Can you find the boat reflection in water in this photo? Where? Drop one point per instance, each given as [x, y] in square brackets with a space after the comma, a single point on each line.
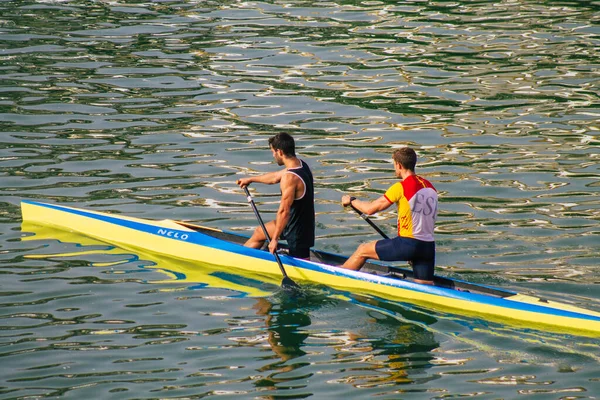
[389, 342]
[383, 351]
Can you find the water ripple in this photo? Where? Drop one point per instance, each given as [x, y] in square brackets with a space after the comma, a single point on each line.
[154, 110]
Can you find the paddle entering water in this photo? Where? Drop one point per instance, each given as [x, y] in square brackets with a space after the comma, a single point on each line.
[287, 282]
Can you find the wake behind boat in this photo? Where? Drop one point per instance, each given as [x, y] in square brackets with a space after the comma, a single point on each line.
[202, 244]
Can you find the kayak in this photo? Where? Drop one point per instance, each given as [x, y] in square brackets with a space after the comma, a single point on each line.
[199, 244]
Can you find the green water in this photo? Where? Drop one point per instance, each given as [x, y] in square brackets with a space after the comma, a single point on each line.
[154, 109]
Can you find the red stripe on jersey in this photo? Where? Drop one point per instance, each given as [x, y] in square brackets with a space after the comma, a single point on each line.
[412, 184]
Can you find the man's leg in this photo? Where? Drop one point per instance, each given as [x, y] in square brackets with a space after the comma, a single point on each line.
[258, 238]
[424, 264]
[301, 252]
[361, 255]
[423, 282]
[423, 271]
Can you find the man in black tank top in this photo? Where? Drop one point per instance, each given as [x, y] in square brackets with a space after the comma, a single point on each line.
[295, 221]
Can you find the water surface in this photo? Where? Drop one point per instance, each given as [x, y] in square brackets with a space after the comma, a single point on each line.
[154, 109]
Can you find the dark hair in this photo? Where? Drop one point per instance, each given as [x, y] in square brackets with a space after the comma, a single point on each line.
[406, 157]
[284, 142]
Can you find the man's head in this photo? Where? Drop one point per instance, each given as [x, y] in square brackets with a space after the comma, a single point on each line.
[406, 158]
[282, 145]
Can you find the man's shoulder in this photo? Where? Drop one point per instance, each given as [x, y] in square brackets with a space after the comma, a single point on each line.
[291, 178]
[289, 175]
[416, 181]
[427, 183]
[395, 186]
[395, 190]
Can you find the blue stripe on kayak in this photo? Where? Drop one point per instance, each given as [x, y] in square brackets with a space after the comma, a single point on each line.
[400, 270]
[175, 234]
[209, 241]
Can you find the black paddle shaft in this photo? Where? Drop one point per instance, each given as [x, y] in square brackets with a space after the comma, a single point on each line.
[366, 218]
[287, 281]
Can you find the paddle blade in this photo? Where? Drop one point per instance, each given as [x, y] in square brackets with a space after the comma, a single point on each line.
[289, 285]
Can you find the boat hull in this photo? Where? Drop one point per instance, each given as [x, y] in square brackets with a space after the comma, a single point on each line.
[201, 244]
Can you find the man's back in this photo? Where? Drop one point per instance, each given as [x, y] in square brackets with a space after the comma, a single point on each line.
[300, 229]
[417, 207]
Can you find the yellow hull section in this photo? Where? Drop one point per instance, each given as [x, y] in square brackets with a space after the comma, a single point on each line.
[335, 277]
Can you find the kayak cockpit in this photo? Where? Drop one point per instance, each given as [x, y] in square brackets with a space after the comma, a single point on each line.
[375, 268]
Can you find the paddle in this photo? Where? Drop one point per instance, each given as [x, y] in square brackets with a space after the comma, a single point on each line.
[287, 282]
[366, 218]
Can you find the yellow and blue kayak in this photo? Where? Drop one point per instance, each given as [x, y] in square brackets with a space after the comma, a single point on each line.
[195, 243]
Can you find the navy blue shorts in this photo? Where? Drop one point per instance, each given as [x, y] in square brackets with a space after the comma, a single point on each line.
[422, 254]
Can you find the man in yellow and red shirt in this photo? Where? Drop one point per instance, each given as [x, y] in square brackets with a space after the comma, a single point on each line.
[417, 202]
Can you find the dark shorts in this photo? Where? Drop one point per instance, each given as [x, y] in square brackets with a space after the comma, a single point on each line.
[296, 250]
[420, 253]
[299, 252]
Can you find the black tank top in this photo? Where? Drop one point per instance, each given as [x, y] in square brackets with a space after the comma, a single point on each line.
[300, 229]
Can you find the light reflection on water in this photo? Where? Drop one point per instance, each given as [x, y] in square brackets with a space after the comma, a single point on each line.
[155, 109]
[147, 342]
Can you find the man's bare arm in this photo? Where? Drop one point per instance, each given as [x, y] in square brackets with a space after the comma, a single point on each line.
[288, 194]
[269, 178]
[368, 207]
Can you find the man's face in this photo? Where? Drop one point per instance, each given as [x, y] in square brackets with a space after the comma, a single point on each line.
[277, 155]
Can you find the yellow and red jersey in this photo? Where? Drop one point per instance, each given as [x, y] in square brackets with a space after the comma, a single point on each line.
[417, 202]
